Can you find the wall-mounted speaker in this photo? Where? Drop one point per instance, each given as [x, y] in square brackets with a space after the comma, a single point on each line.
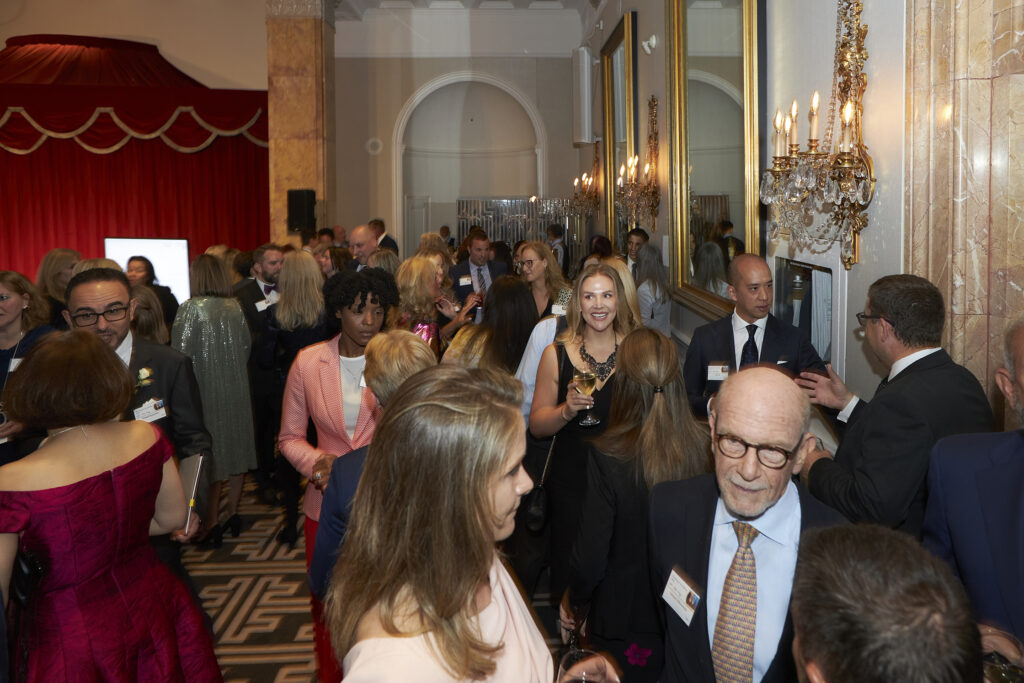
[582, 104]
[301, 210]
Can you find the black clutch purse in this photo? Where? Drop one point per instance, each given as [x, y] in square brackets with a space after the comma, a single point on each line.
[536, 503]
[28, 571]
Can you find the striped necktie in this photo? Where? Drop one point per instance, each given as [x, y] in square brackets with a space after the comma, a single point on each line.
[733, 649]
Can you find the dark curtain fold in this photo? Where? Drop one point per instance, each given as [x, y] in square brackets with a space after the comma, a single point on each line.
[64, 196]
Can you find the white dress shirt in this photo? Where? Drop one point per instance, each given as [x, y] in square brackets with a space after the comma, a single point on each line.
[775, 551]
[272, 296]
[124, 350]
[740, 335]
[542, 336]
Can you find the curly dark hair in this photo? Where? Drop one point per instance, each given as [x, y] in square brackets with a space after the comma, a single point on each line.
[346, 287]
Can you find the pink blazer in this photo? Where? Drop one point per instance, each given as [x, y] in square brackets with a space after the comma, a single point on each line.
[313, 391]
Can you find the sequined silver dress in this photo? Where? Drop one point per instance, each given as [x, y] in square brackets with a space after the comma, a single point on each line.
[212, 332]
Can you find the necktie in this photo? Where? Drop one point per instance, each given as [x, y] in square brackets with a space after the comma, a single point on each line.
[480, 279]
[634, 272]
[749, 354]
[733, 649]
[267, 289]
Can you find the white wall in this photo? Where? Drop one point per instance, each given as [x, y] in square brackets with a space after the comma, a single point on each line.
[221, 43]
[798, 67]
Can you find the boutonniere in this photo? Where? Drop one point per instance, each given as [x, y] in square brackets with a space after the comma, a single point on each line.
[144, 379]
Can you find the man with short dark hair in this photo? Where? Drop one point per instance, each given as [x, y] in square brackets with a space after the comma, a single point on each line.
[974, 519]
[166, 392]
[635, 238]
[555, 233]
[255, 295]
[879, 470]
[730, 245]
[869, 604]
[478, 273]
[723, 546]
[750, 334]
[384, 240]
[310, 240]
[326, 236]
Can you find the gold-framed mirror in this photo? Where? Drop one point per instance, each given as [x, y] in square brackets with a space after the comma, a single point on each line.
[713, 145]
[618, 72]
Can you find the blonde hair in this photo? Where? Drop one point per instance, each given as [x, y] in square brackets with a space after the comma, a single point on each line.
[627, 317]
[302, 300]
[148, 322]
[446, 265]
[433, 240]
[208, 276]
[391, 358]
[650, 420]
[90, 263]
[48, 275]
[38, 311]
[553, 278]
[628, 285]
[384, 259]
[414, 278]
[422, 532]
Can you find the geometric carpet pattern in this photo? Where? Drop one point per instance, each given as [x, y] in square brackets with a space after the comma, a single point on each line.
[255, 591]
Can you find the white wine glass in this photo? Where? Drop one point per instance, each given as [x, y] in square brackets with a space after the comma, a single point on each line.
[584, 666]
[586, 382]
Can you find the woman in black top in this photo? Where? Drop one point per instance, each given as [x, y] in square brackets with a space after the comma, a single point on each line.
[140, 272]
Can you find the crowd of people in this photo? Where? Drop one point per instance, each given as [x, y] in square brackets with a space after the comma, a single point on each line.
[457, 424]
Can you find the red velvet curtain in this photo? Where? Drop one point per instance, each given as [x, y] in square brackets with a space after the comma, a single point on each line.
[104, 138]
[63, 196]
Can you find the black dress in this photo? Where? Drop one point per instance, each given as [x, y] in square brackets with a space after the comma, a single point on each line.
[567, 473]
[167, 302]
[610, 581]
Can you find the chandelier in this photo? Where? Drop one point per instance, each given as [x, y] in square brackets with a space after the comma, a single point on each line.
[585, 195]
[838, 184]
[637, 199]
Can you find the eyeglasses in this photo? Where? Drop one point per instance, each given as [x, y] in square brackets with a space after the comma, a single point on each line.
[771, 457]
[111, 315]
[862, 316]
[527, 262]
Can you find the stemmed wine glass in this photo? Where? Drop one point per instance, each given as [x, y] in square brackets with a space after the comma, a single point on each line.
[586, 382]
[584, 666]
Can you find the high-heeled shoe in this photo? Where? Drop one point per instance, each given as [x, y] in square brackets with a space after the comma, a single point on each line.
[234, 525]
[213, 536]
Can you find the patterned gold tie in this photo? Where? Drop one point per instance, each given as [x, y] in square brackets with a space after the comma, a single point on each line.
[733, 649]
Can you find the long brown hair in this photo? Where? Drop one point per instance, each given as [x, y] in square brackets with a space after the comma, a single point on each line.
[38, 311]
[650, 419]
[422, 532]
[553, 278]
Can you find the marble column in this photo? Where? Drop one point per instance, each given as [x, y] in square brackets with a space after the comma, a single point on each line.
[965, 171]
[300, 71]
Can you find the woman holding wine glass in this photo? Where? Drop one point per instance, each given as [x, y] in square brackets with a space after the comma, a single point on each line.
[573, 396]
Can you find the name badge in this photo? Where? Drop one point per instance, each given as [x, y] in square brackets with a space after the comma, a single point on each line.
[781, 362]
[13, 365]
[681, 595]
[718, 371]
[262, 305]
[151, 411]
[557, 310]
[465, 281]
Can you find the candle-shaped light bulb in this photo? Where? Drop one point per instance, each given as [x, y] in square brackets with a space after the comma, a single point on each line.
[788, 126]
[814, 116]
[846, 142]
[622, 170]
[792, 131]
[647, 169]
[576, 182]
[779, 151]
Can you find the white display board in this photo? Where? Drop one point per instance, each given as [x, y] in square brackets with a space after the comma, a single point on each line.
[169, 257]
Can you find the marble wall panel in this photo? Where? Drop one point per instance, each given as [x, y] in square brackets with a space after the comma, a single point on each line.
[1008, 41]
[978, 43]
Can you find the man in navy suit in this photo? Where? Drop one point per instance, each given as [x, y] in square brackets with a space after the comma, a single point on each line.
[751, 334]
[384, 240]
[879, 470]
[476, 274]
[759, 434]
[974, 519]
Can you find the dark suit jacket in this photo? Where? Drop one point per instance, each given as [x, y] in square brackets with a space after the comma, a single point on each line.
[975, 521]
[783, 344]
[248, 293]
[879, 470]
[460, 270]
[334, 515]
[171, 379]
[682, 516]
[608, 567]
[388, 243]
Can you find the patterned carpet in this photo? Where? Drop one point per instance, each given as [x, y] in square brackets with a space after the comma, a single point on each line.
[254, 589]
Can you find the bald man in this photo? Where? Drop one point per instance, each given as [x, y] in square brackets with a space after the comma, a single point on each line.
[750, 334]
[361, 242]
[700, 529]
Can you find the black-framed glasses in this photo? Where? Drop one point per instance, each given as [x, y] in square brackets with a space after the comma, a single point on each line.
[111, 315]
[527, 262]
[772, 457]
[862, 316]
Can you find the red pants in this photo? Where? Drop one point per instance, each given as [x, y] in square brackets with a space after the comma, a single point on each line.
[327, 663]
